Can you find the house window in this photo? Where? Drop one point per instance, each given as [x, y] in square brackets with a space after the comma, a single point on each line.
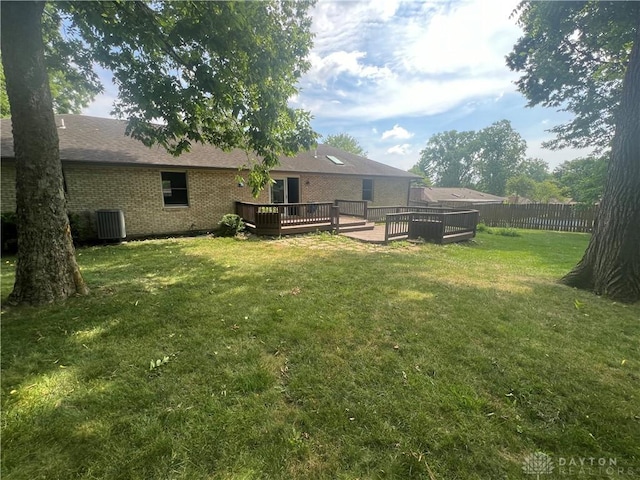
[367, 189]
[174, 189]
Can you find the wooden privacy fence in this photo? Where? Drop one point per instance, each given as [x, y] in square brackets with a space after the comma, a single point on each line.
[539, 216]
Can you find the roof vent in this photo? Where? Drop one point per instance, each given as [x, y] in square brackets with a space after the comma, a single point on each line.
[335, 160]
[62, 127]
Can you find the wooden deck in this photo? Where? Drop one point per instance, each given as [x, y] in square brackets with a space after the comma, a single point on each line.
[346, 224]
[355, 220]
[374, 235]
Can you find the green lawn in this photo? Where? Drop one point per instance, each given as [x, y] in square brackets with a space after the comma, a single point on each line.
[319, 357]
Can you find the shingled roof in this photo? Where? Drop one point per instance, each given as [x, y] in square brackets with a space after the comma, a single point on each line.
[446, 194]
[97, 140]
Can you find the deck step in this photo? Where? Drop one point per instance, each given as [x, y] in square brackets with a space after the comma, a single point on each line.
[356, 227]
[357, 223]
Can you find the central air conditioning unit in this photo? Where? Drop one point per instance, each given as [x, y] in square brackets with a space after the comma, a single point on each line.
[110, 225]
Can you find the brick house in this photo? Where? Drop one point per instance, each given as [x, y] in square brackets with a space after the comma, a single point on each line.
[162, 194]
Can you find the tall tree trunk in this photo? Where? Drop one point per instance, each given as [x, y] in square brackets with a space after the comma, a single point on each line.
[611, 264]
[46, 266]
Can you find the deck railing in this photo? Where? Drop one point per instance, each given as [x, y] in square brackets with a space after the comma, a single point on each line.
[273, 219]
[378, 214]
[438, 224]
[460, 222]
[353, 208]
[396, 225]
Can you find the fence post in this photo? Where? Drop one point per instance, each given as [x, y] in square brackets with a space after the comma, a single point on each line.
[364, 210]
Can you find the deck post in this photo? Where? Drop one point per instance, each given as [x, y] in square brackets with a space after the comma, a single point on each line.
[386, 229]
[335, 218]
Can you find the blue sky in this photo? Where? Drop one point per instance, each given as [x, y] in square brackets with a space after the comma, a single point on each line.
[392, 73]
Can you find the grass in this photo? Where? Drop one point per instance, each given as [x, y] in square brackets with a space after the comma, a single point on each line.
[319, 357]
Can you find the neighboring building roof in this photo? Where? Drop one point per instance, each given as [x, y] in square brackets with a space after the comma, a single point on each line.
[102, 141]
[466, 195]
[519, 200]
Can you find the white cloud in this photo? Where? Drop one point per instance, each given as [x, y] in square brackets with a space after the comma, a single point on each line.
[402, 58]
[468, 36]
[394, 97]
[333, 65]
[396, 132]
[403, 149]
[340, 23]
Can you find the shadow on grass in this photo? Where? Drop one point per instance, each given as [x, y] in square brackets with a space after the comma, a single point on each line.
[293, 365]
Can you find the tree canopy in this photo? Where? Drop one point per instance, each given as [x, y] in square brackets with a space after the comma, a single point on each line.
[448, 159]
[544, 191]
[345, 142]
[582, 179]
[522, 186]
[536, 169]
[213, 72]
[5, 110]
[483, 159]
[573, 56]
[72, 80]
[501, 155]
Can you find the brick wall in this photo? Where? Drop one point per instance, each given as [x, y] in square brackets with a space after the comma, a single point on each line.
[327, 188]
[7, 187]
[212, 193]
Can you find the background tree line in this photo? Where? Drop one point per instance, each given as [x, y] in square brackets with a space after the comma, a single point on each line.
[493, 160]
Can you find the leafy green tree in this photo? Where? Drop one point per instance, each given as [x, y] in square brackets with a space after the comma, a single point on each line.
[425, 181]
[345, 142]
[521, 185]
[213, 72]
[547, 191]
[72, 81]
[500, 156]
[485, 159]
[448, 159]
[574, 56]
[536, 169]
[594, 38]
[5, 110]
[583, 179]
[524, 186]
